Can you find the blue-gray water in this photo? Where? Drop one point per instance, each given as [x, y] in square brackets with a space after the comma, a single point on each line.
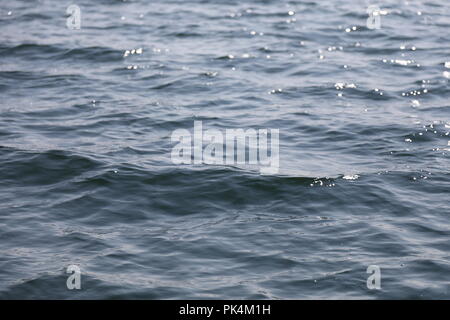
[86, 176]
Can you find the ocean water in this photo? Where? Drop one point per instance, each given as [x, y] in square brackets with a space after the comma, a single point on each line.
[87, 178]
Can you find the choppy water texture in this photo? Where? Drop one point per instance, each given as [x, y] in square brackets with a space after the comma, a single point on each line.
[86, 176]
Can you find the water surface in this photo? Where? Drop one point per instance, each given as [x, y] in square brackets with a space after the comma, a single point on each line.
[86, 176]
